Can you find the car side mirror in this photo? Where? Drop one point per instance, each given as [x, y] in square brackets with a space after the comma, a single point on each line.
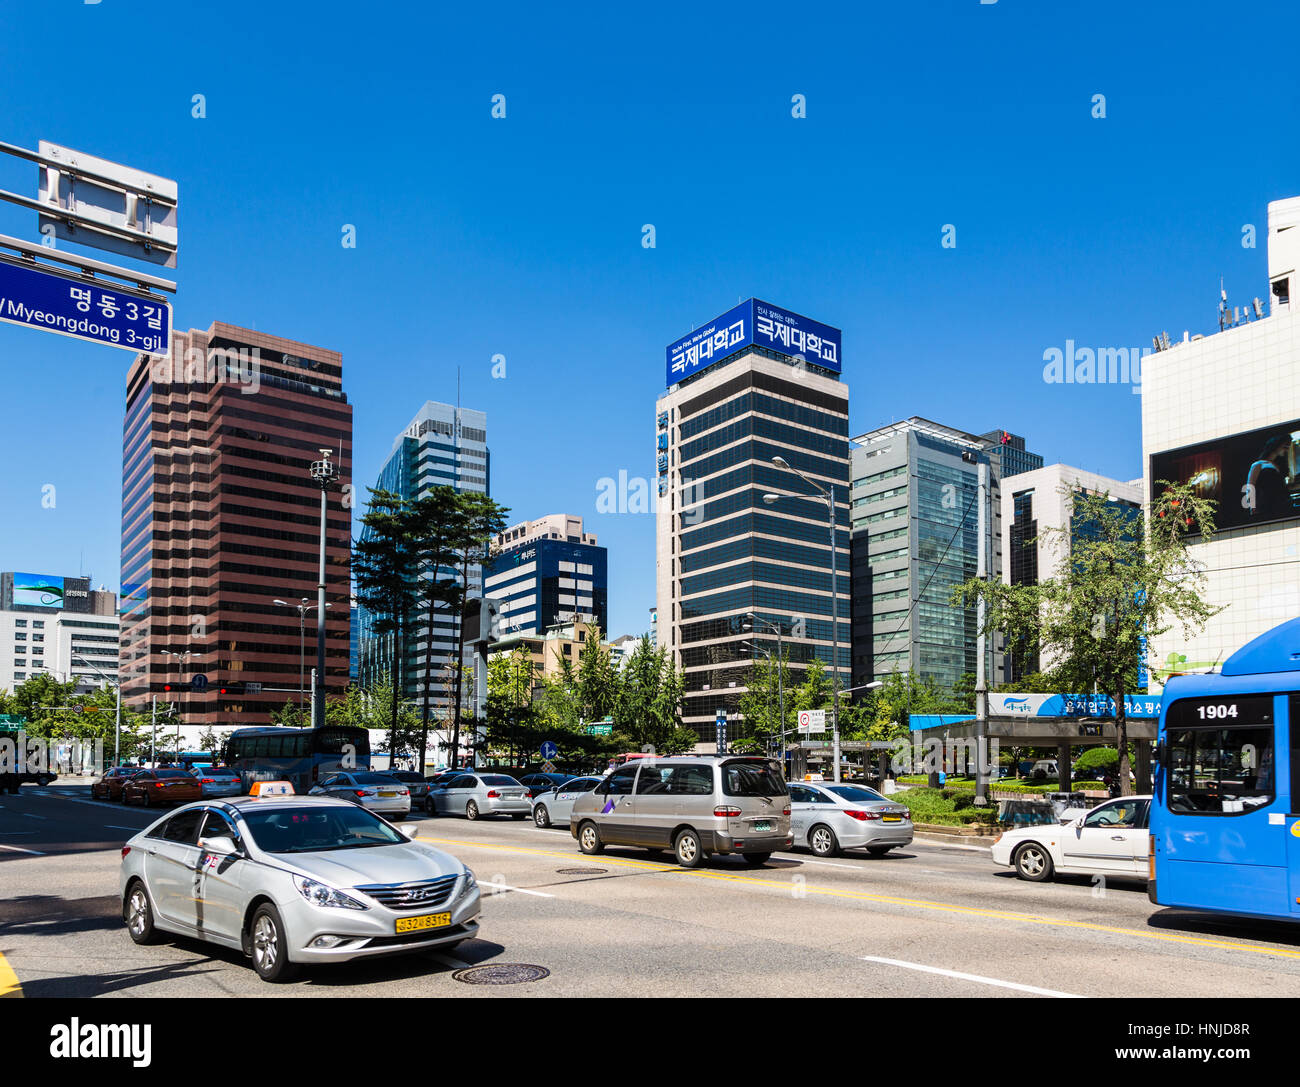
[222, 846]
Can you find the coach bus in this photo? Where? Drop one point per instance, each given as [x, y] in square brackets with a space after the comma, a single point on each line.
[298, 755]
[1225, 825]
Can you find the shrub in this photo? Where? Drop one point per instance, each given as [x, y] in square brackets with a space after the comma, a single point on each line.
[1096, 759]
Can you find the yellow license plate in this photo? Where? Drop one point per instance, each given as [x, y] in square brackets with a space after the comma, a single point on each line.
[429, 920]
[891, 818]
[387, 795]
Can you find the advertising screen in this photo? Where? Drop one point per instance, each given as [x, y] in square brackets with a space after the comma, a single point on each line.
[1253, 477]
[38, 591]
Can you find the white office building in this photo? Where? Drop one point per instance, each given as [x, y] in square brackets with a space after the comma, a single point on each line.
[1223, 411]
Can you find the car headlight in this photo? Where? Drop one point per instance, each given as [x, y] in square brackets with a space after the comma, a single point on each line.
[318, 894]
[469, 884]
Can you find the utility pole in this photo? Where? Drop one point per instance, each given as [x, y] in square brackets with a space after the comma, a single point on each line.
[324, 473]
[153, 733]
[981, 676]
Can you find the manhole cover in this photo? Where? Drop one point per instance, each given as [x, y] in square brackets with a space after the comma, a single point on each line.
[580, 871]
[505, 973]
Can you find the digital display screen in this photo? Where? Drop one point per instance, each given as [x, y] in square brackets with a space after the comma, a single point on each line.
[1247, 709]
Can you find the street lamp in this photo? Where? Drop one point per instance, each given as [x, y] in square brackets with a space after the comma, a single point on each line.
[827, 496]
[324, 473]
[303, 609]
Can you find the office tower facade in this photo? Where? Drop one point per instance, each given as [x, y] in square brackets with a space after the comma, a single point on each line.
[1222, 411]
[757, 383]
[915, 523]
[220, 518]
[1037, 519]
[548, 571]
[444, 445]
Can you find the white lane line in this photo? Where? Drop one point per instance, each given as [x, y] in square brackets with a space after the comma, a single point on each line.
[952, 845]
[970, 977]
[831, 864]
[521, 890]
[16, 849]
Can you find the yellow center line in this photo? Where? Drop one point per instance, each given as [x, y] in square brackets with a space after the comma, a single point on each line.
[8, 980]
[891, 900]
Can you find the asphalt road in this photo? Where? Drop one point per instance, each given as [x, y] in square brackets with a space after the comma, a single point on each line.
[935, 919]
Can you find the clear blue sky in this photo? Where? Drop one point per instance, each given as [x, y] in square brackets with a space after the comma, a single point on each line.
[522, 236]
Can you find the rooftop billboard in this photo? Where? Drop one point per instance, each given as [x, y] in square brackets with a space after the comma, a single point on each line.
[754, 324]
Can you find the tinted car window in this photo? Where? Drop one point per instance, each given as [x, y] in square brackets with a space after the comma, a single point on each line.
[579, 785]
[800, 795]
[752, 779]
[619, 783]
[218, 826]
[857, 793]
[465, 781]
[498, 779]
[375, 779]
[182, 827]
[172, 773]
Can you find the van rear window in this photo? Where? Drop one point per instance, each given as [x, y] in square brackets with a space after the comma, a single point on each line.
[752, 779]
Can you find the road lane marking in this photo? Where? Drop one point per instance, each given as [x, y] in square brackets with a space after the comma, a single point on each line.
[831, 864]
[507, 887]
[951, 845]
[17, 849]
[8, 979]
[971, 977]
[890, 900]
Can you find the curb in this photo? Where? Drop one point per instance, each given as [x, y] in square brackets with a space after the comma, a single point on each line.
[974, 836]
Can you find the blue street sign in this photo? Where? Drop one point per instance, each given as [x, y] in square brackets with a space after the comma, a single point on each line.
[549, 750]
[199, 682]
[42, 298]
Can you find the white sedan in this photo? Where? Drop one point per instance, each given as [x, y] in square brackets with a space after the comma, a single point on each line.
[1110, 840]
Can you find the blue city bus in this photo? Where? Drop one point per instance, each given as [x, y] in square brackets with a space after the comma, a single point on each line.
[301, 756]
[1225, 818]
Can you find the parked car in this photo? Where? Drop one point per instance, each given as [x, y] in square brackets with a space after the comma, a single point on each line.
[536, 784]
[477, 794]
[829, 818]
[555, 805]
[381, 793]
[168, 785]
[109, 787]
[695, 806]
[219, 781]
[1110, 840]
[292, 879]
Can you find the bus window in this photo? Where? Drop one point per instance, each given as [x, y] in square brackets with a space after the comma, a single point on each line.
[1220, 770]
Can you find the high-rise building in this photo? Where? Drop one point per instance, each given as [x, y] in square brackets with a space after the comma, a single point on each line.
[220, 518]
[1222, 411]
[915, 536]
[548, 571]
[756, 384]
[56, 625]
[443, 446]
[1037, 520]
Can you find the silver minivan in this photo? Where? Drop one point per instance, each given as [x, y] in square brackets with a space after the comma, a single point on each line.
[694, 805]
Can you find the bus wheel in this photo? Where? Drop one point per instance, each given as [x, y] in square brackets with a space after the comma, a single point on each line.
[1033, 862]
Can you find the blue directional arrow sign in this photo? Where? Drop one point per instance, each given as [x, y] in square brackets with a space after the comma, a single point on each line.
[549, 750]
[38, 297]
[198, 682]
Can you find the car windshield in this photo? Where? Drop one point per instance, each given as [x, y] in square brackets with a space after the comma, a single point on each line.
[498, 779]
[751, 779]
[313, 830]
[857, 793]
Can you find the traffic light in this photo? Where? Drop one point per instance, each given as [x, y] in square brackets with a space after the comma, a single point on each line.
[235, 688]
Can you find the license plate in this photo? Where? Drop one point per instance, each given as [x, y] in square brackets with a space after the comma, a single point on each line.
[428, 920]
[891, 818]
[387, 795]
[762, 824]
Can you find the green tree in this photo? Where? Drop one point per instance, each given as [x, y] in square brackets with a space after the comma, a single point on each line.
[1118, 586]
[649, 701]
[760, 706]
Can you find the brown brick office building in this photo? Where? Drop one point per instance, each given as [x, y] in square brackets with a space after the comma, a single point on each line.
[220, 518]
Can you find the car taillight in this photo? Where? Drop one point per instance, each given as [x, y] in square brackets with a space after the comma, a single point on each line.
[786, 811]
[359, 792]
[861, 816]
[157, 784]
[726, 812]
[403, 792]
[493, 794]
[125, 850]
[207, 781]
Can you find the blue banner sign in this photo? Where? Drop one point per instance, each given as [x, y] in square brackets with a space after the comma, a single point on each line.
[38, 298]
[757, 324]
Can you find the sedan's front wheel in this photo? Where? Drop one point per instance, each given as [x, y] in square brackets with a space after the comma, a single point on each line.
[269, 947]
[1033, 862]
[541, 816]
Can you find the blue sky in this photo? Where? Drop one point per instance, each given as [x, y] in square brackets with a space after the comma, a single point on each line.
[522, 237]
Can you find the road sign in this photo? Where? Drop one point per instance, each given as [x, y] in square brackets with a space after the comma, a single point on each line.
[549, 751]
[600, 730]
[198, 682]
[548, 767]
[721, 723]
[812, 721]
[50, 300]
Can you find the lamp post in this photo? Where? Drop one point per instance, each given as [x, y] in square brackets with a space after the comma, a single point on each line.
[303, 609]
[827, 496]
[117, 728]
[324, 473]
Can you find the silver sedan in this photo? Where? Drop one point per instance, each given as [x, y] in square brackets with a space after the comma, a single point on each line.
[218, 781]
[830, 818]
[481, 793]
[377, 792]
[293, 879]
[555, 805]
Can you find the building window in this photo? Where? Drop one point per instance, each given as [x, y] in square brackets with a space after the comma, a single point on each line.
[20, 622]
[39, 624]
